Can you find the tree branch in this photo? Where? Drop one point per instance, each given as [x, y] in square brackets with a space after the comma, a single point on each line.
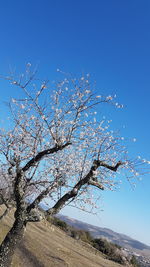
[95, 183]
[86, 180]
[112, 168]
[40, 197]
[43, 153]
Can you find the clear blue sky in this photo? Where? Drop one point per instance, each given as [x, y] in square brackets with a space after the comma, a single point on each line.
[110, 40]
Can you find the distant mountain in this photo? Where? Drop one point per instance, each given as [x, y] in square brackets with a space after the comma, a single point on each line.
[120, 239]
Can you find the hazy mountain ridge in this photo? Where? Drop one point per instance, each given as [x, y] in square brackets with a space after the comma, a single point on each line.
[120, 239]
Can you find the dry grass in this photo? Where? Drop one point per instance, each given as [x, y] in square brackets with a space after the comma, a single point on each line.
[45, 245]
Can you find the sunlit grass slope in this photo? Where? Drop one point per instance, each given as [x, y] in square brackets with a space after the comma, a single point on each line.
[45, 245]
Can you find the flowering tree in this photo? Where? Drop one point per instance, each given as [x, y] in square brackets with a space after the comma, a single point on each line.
[57, 148]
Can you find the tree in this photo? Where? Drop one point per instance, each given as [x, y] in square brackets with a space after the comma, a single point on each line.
[55, 148]
[134, 261]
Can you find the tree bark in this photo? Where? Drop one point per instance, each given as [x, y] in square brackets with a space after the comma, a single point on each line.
[10, 242]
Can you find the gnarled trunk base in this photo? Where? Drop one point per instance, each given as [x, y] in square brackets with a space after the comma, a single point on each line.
[10, 242]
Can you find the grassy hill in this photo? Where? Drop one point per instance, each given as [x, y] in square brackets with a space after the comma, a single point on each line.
[117, 238]
[45, 245]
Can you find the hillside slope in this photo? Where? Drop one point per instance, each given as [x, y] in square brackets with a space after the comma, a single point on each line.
[45, 245]
[120, 239]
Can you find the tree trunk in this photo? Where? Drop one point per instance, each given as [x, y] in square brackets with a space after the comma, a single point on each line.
[10, 242]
